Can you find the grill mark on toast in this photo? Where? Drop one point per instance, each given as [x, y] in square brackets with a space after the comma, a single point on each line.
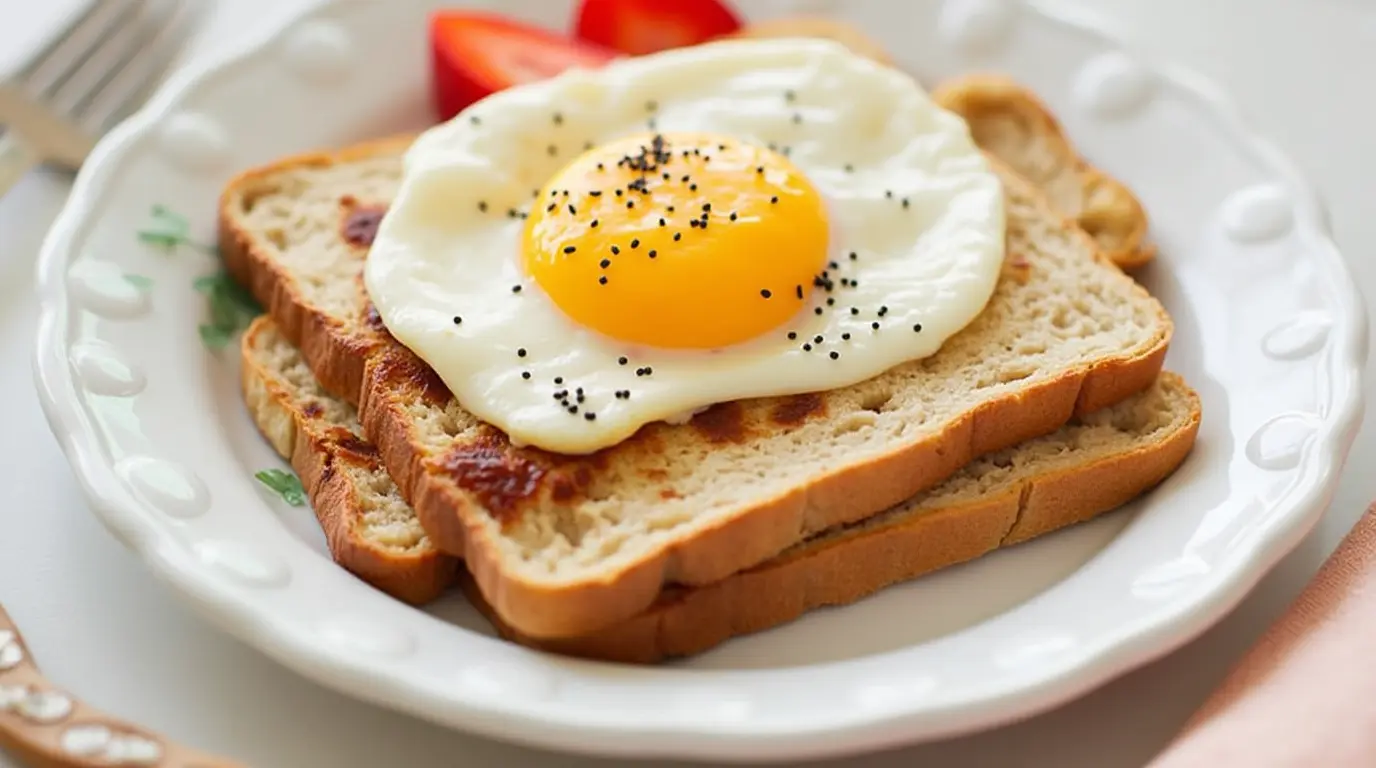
[797, 409]
[350, 447]
[722, 423]
[359, 224]
[399, 368]
[502, 479]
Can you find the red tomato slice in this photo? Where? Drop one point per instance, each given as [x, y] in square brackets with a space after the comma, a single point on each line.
[477, 54]
[638, 27]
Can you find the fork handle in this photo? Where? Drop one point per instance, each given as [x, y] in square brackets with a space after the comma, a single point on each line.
[17, 158]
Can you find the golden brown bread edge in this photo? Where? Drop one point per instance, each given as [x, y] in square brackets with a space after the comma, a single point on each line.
[1010, 122]
[833, 569]
[316, 450]
[847, 565]
[370, 369]
[839, 570]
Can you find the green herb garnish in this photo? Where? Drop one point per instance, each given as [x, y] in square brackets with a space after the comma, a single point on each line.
[141, 282]
[231, 309]
[169, 230]
[284, 484]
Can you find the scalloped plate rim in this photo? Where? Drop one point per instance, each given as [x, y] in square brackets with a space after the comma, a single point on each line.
[1097, 663]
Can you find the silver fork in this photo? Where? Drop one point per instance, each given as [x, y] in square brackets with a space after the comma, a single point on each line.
[101, 66]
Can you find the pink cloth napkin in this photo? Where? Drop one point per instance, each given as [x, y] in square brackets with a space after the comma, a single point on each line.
[1306, 694]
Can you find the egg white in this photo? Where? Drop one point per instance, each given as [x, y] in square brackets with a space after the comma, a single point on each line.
[865, 130]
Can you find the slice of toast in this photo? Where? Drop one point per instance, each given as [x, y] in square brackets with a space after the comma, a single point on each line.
[370, 531]
[1094, 464]
[1011, 123]
[567, 545]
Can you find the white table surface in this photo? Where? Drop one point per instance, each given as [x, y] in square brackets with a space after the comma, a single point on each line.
[99, 623]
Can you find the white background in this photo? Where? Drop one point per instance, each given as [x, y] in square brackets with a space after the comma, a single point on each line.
[100, 624]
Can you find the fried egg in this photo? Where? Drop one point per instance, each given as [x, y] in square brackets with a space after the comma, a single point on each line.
[580, 257]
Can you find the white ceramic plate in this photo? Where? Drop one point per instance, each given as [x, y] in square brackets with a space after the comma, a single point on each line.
[1269, 329]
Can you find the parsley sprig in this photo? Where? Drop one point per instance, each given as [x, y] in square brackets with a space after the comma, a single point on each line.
[284, 484]
[231, 309]
[169, 230]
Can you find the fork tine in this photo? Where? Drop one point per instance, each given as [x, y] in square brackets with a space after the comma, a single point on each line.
[121, 43]
[74, 46]
[131, 85]
[58, 41]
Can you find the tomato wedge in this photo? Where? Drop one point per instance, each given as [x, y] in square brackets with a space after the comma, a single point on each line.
[638, 27]
[477, 54]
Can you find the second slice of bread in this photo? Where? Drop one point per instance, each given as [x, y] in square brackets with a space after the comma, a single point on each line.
[1011, 123]
[1089, 466]
[564, 546]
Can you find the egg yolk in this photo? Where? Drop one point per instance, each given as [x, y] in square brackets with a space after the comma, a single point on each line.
[678, 240]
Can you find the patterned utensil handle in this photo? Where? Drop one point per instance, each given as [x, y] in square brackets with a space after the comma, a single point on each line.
[44, 726]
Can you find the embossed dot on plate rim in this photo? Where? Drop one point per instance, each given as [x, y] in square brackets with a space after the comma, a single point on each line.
[977, 26]
[1033, 648]
[192, 499]
[100, 287]
[245, 564]
[1113, 84]
[319, 51]
[713, 702]
[1258, 213]
[367, 636]
[896, 693]
[499, 679]
[1165, 578]
[194, 142]
[1299, 337]
[1288, 457]
[102, 370]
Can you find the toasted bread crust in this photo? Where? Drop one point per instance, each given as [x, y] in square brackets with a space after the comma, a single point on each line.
[839, 570]
[752, 537]
[1010, 122]
[835, 568]
[417, 575]
[364, 366]
[336, 352]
